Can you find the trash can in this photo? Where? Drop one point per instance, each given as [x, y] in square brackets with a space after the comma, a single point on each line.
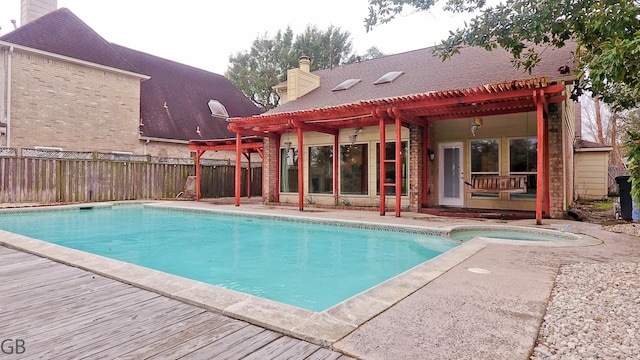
[626, 205]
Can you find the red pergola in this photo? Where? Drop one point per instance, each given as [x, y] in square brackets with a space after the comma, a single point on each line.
[247, 145]
[518, 96]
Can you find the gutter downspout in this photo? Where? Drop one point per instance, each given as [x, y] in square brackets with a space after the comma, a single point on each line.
[8, 116]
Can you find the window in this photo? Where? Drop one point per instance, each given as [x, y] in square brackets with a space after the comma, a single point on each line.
[217, 109]
[321, 170]
[354, 169]
[345, 85]
[523, 155]
[289, 170]
[485, 160]
[390, 168]
[388, 77]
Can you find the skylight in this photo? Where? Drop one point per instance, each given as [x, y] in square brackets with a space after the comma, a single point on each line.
[388, 77]
[217, 109]
[346, 85]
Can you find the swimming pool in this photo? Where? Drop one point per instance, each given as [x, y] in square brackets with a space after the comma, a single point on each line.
[312, 266]
[322, 328]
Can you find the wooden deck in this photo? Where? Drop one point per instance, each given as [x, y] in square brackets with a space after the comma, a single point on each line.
[57, 311]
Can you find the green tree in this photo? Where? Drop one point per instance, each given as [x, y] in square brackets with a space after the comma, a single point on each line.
[633, 167]
[629, 121]
[607, 33]
[326, 49]
[256, 71]
[371, 53]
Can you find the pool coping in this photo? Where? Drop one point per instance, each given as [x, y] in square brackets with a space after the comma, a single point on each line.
[322, 328]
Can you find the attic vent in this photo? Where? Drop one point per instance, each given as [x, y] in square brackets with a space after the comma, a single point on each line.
[346, 85]
[388, 77]
[217, 109]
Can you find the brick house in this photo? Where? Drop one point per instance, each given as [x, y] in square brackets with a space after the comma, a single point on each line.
[461, 123]
[63, 86]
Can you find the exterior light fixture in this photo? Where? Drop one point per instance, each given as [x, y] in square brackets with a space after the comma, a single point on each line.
[352, 137]
[477, 124]
[287, 142]
[431, 154]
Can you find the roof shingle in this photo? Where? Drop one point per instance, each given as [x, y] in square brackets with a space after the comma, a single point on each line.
[423, 73]
[186, 92]
[62, 32]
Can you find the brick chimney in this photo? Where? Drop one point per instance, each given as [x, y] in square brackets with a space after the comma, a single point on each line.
[33, 9]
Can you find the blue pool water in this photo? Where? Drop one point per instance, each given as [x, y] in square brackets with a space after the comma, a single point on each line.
[507, 234]
[312, 266]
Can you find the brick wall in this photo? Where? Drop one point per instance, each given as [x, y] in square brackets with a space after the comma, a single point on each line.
[557, 170]
[432, 170]
[416, 154]
[270, 172]
[76, 107]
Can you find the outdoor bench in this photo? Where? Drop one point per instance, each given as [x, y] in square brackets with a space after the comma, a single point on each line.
[497, 184]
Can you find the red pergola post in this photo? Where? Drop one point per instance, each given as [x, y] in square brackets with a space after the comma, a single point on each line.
[383, 155]
[335, 168]
[398, 165]
[300, 171]
[541, 155]
[238, 167]
[277, 172]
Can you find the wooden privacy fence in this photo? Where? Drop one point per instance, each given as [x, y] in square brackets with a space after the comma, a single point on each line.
[614, 172]
[57, 176]
[219, 181]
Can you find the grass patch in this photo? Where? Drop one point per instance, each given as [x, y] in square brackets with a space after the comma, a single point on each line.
[602, 205]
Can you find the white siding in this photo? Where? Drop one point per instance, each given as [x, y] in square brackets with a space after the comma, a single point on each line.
[591, 181]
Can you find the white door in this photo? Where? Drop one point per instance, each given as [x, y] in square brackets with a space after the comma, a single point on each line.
[450, 175]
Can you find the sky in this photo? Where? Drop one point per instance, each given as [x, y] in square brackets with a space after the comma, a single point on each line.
[204, 33]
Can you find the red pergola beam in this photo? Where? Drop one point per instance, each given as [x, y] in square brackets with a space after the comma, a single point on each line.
[406, 117]
[313, 127]
[454, 115]
[240, 130]
[347, 124]
[250, 146]
[427, 101]
[431, 106]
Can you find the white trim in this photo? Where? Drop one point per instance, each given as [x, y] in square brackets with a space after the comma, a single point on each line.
[74, 60]
[599, 149]
[47, 148]
[155, 139]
